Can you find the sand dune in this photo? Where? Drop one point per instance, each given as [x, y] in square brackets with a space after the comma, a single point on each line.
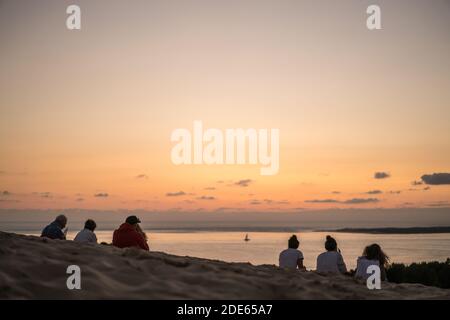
[35, 268]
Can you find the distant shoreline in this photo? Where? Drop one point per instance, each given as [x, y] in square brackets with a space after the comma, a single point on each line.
[410, 230]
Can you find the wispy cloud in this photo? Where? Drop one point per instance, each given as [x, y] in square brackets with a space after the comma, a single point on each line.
[210, 188]
[221, 209]
[141, 176]
[6, 193]
[101, 195]
[374, 192]
[436, 178]
[243, 183]
[206, 198]
[381, 175]
[270, 201]
[439, 204]
[322, 201]
[175, 194]
[349, 201]
[360, 200]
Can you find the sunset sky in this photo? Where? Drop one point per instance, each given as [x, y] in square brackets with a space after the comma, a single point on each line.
[86, 115]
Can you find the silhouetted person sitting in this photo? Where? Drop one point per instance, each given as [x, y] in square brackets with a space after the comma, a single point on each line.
[87, 235]
[292, 258]
[372, 255]
[55, 229]
[331, 261]
[130, 234]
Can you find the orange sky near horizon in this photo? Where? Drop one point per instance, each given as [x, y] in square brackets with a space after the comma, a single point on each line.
[84, 113]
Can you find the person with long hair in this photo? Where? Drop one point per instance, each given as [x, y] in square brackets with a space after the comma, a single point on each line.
[372, 255]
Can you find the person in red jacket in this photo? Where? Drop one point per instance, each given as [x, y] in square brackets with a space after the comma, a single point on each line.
[130, 234]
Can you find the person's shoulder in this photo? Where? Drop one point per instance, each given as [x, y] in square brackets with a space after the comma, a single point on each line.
[335, 253]
[362, 259]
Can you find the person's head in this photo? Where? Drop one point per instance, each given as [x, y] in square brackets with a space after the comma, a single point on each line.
[330, 244]
[90, 225]
[293, 242]
[374, 252]
[133, 220]
[61, 220]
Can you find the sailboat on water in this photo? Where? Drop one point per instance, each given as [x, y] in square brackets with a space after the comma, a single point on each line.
[246, 238]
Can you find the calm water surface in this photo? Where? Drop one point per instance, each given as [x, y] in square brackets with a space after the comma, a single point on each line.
[264, 247]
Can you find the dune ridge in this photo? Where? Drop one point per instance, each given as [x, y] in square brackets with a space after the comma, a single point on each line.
[35, 268]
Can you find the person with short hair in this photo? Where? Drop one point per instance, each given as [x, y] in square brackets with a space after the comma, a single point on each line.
[87, 235]
[55, 229]
[292, 258]
[331, 261]
[130, 234]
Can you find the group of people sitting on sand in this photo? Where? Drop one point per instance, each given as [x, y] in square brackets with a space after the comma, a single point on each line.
[130, 234]
[332, 261]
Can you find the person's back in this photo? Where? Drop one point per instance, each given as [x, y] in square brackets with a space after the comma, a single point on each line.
[361, 267]
[54, 229]
[87, 235]
[127, 235]
[372, 255]
[331, 261]
[291, 258]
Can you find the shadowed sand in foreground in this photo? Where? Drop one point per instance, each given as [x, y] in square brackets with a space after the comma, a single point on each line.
[35, 268]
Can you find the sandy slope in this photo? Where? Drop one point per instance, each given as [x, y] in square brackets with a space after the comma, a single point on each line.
[32, 267]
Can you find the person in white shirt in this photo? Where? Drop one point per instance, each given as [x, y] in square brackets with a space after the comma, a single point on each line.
[331, 261]
[292, 258]
[87, 235]
[372, 255]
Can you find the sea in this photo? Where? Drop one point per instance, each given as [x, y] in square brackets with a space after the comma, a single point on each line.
[265, 247]
[222, 236]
